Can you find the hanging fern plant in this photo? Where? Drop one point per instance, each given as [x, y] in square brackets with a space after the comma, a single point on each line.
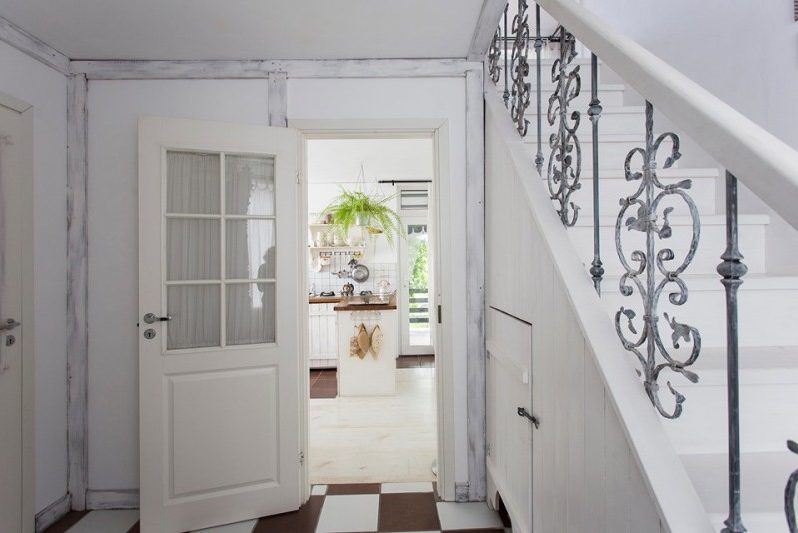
[356, 208]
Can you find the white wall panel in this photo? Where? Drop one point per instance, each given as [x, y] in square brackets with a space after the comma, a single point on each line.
[114, 108]
[28, 80]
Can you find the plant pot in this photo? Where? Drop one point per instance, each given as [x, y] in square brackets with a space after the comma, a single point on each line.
[362, 220]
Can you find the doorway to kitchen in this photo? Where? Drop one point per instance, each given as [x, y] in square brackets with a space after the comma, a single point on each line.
[374, 396]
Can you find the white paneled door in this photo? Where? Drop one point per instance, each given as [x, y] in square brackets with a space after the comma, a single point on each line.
[11, 362]
[219, 329]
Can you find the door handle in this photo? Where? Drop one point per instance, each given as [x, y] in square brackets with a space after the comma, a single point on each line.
[151, 318]
[9, 324]
[532, 418]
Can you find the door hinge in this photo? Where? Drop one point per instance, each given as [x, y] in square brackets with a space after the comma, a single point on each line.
[440, 314]
[299, 177]
[301, 458]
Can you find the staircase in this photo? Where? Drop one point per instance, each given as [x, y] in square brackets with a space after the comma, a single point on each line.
[768, 303]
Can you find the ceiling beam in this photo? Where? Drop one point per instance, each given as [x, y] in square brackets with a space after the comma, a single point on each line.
[260, 69]
[23, 41]
[487, 23]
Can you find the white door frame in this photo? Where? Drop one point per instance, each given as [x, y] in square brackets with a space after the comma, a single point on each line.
[26, 331]
[438, 131]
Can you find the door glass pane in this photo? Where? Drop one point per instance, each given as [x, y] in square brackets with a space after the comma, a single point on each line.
[250, 313]
[250, 249]
[249, 185]
[418, 275]
[192, 183]
[195, 316]
[192, 249]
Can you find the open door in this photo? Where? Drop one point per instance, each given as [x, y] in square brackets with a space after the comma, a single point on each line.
[219, 329]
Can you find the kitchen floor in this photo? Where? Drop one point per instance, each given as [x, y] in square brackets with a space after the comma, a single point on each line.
[375, 439]
[371, 507]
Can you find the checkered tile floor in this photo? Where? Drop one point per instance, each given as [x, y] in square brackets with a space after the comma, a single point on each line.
[364, 507]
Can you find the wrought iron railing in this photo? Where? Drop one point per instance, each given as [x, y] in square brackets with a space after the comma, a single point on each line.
[652, 270]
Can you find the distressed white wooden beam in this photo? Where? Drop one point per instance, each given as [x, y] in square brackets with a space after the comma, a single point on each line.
[77, 290]
[475, 284]
[278, 99]
[486, 28]
[251, 69]
[23, 41]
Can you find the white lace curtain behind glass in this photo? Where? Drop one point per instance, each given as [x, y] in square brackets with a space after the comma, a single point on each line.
[194, 249]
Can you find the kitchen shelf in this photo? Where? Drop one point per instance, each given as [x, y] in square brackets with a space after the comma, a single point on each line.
[351, 249]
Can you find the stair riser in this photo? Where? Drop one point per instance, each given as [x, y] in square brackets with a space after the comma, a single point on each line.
[607, 97]
[612, 190]
[611, 154]
[767, 412]
[610, 123]
[711, 246]
[766, 317]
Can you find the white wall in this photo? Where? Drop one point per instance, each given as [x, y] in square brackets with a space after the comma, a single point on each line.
[44, 88]
[743, 52]
[113, 299]
[409, 98]
[114, 108]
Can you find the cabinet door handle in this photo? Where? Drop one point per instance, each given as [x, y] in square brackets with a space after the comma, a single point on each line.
[532, 418]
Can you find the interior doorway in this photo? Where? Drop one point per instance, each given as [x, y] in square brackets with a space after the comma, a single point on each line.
[16, 316]
[366, 427]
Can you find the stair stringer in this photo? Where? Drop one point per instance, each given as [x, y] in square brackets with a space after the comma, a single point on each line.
[601, 460]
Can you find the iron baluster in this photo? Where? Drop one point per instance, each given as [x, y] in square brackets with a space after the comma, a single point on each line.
[732, 269]
[506, 94]
[640, 212]
[520, 69]
[594, 112]
[494, 70]
[565, 159]
[789, 493]
[538, 47]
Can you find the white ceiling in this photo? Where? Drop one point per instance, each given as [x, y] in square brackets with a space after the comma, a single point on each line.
[249, 29]
[339, 160]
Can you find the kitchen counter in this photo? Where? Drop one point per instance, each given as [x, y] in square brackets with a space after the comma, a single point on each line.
[324, 299]
[346, 304]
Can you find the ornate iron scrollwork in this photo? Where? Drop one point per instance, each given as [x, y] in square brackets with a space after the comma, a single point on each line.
[640, 212]
[789, 493]
[494, 54]
[520, 69]
[565, 159]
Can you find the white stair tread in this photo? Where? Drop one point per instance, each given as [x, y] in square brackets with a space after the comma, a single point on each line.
[705, 282]
[606, 110]
[675, 172]
[531, 137]
[750, 358]
[685, 220]
[755, 522]
[601, 87]
[763, 475]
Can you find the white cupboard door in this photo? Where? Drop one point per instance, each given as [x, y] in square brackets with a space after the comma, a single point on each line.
[219, 329]
[11, 362]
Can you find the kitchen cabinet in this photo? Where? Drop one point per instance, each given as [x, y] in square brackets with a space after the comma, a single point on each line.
[323, 346]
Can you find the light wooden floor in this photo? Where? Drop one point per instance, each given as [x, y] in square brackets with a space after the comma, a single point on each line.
[379, 439]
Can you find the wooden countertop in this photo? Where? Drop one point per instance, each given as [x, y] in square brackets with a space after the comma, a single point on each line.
[344, 305]
[324, 299]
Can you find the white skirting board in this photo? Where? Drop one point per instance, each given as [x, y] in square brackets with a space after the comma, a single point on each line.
[53, 513]
[112, 499]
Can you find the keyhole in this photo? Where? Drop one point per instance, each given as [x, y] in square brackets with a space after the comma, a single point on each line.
[149, 333]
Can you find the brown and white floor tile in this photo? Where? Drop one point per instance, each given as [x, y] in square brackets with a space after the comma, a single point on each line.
[338, 508]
